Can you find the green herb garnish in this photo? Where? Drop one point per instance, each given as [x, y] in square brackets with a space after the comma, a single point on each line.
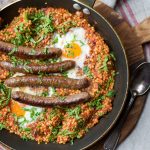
[13, 51]
[53, 113]
[97, 103]
[87, 71]
[111, 93]
[32, 52]
[5, 95]
[104, 66]
[54, 133]
[65, 74]
[66, 26]
[55, 40]
[2, 126]
[45, 51]
[45, 94]
[99, 58]
[75, 112]
[110, 80]
[113, 56]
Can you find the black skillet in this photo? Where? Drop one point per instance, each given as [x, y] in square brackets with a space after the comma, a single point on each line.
[121, 83]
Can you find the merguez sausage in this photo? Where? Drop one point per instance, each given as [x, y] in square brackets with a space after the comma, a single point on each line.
[55, 81]
[1, 20]
[31, 53]
[35, 69]
[49, 101]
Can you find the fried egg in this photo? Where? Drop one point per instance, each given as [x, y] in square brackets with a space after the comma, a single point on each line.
[25, 114]
[74, 45]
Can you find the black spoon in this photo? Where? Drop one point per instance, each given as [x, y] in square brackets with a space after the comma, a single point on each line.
[140, 84]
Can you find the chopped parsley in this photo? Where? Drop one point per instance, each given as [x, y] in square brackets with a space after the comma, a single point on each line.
[54, 132]
[45, 51]
[13, 51]
[16, 62]
[104, 66]
[11, 74]
[75, 40]
[82, 43]
[87, 71]
[66, 26]
[70, 53]
[27, 129]
[42, 25]
[5, 95]
[111, 93]
[97, 103]
[45, 94]
[55, 40]
[99, 58]
[32, 52]
[74, 112]
[25, 138]
[110, 80]
[2, 126]
[56, 94]
[33, 114]
[113, 56]
[53, 113]
[66, 133]
[65, 74]
[51, 60]
[68, 45]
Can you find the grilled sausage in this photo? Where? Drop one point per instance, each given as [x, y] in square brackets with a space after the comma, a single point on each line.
[55, 81]
[35, 69]
[1, 21]
[49, 101]
[26, 52]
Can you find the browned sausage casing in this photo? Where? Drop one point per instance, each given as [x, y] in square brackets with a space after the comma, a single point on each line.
[1, 20]
[55, 81]
[35, 69]
[31, 53]
[49, 101]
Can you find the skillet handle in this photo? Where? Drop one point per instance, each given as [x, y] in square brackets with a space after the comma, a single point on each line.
[142, 30]
[88, 2]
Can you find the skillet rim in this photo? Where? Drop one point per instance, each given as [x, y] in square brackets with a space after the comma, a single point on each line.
[127, 72]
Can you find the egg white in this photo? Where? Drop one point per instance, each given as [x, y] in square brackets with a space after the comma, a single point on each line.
[31, 115]
[76, 35]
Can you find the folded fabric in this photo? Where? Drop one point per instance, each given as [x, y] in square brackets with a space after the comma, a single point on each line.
[133, 11]
[110, 3]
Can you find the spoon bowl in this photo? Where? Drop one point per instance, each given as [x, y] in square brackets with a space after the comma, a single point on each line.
[140, 81]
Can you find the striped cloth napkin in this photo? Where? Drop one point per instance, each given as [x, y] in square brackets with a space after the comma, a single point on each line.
[133, 11]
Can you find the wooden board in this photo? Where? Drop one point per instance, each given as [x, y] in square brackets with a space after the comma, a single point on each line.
[132, 39]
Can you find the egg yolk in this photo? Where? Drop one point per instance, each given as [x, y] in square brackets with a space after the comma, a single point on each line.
[72, 50]
[16, 109]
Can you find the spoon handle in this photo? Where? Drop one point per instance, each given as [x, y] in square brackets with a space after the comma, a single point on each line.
[112, 140]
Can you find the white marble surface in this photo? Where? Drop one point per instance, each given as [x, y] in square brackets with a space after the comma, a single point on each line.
[139, 139]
